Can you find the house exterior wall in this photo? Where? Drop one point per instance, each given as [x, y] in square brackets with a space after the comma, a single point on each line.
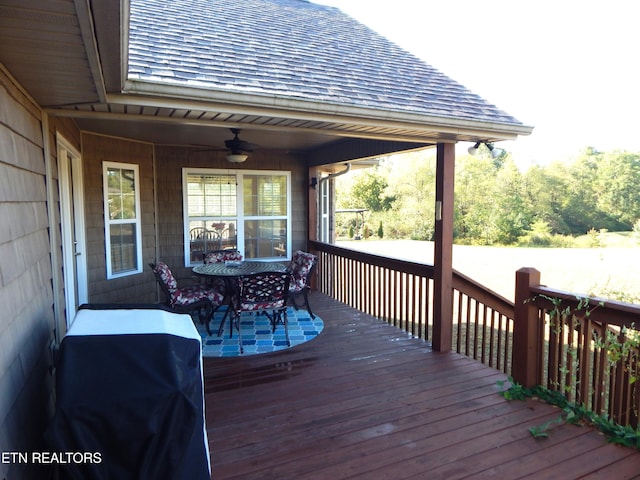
[31, 277]
[136, 288]
[171, 161]
[26, 293]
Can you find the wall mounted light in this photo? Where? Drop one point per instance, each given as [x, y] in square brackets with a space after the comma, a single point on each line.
[314, 182]
[495, 152]
[474, 150]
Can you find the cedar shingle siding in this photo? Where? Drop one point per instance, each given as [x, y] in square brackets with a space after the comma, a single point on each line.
[26, 294]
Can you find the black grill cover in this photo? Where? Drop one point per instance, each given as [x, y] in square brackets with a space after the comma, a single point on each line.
[134, 400]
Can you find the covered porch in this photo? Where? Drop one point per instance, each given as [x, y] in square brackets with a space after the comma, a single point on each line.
[363, 387]
[367, 400]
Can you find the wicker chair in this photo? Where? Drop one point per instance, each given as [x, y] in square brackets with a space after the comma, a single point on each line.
[194, 298]
[301, 268]
[262, 293]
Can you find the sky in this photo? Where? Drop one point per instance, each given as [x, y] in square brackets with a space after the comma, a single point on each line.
[570, 69]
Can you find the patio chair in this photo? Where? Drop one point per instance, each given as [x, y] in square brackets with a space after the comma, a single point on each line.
[219, 256]
[201, 240]
[194, 298]
[301, 268]
[264, 293]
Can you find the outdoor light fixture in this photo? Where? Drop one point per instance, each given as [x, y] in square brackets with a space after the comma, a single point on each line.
[474, 150]
[236, 157]
[237, 149]
[495, 152]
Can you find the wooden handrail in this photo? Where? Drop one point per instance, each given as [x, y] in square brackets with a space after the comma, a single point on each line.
[518, 338]
[400, 292]
[603, 310]
[372, 259]
[573, 344]
[476, 290]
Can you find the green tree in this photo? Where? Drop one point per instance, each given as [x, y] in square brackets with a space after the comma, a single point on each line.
[513, 215]
[474, 204]
[579, 210]
[370, 191]
[544, 194]
[495, 202]
[412, 183]
[617, 182]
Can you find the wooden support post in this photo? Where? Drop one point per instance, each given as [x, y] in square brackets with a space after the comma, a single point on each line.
[443, 248]
[526, 331]
[311, 187]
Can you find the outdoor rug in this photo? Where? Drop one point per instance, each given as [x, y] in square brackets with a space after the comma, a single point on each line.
[256, 334]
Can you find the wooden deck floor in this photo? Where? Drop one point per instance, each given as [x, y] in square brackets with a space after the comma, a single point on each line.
[364, 400]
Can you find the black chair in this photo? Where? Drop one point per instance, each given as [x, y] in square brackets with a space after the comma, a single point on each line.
[194, 298]
[263, 293]
[301, 268]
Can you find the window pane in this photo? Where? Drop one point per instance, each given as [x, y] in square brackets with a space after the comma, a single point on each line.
[121, 193]
[123, 247]
[265, 195]
[206, 236]
[129, 206]
[115, 207]
[211, 195]
[265, 238]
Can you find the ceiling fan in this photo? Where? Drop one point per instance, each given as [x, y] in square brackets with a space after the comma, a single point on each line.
[237, 149]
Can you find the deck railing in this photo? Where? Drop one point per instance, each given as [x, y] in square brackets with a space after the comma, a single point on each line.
[541, 339]
[482, 324]
[586, 348]
[401, 292]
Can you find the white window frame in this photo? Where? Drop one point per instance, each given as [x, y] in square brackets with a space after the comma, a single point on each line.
[240, 219]
[108, 222]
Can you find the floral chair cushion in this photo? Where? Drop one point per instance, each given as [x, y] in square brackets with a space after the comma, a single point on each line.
[301, 265]
[220, 256]
[195, 293]
[186, 295]
[166, 276]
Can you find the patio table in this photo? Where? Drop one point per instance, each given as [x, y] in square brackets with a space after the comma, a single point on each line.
[229, 272]
[236, 269]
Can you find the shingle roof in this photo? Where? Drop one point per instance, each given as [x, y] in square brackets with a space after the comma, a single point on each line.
[290, 49]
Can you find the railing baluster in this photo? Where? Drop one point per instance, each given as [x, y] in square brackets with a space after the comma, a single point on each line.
[561, 354]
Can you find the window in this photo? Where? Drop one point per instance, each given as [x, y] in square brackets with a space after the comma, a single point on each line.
[122, 219]
[248, 211]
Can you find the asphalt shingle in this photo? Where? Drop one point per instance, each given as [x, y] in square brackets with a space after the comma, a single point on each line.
[290, 49]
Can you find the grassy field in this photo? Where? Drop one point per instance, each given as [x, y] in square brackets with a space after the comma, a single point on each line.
[612, 271]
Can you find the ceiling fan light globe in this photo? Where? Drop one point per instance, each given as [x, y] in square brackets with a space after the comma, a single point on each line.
[236, 157]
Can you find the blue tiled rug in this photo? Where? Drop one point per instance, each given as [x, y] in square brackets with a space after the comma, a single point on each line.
[256, 334]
